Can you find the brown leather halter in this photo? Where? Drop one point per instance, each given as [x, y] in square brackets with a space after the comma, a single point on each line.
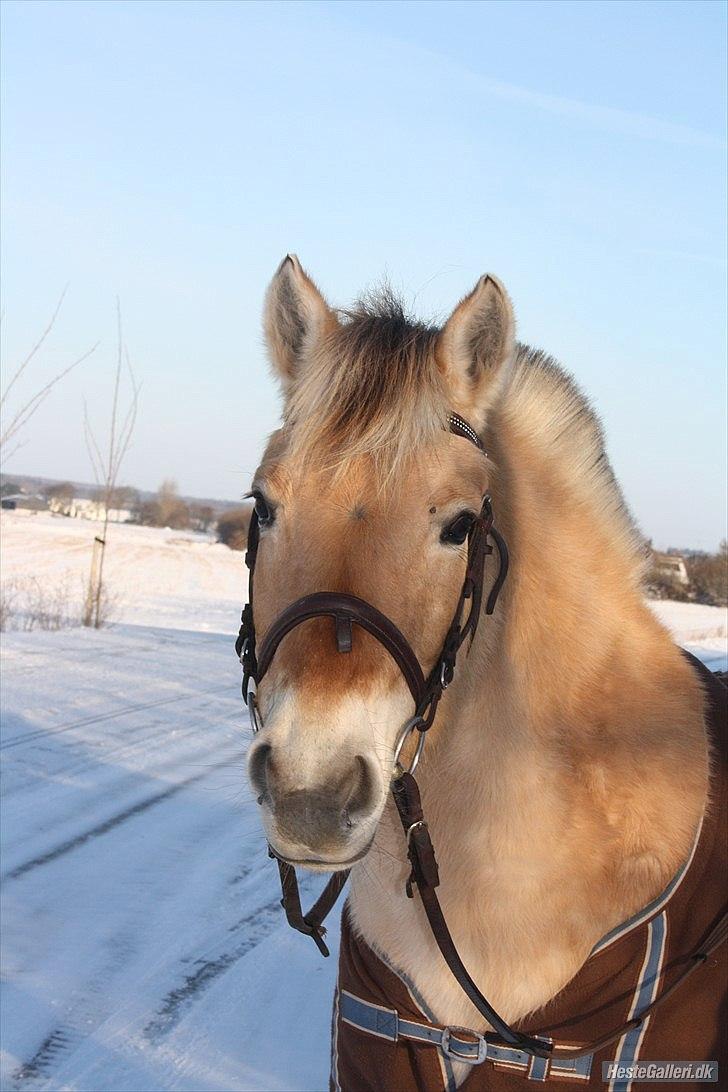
[346, 610]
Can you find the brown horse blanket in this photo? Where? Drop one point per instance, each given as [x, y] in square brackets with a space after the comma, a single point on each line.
[626, 970]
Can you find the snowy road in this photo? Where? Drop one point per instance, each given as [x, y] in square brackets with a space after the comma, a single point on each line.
[143, 945]
[143, 941]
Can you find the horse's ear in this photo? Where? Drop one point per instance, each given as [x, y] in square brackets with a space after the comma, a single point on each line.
[294, 316]
[476, 346]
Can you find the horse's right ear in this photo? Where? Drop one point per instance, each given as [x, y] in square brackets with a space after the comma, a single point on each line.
[295, 315]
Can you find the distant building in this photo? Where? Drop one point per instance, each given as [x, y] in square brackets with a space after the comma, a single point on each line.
[671, 567]
[24, 502]
[85, 508]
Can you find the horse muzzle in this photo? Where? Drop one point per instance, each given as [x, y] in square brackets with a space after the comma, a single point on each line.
[311, 821]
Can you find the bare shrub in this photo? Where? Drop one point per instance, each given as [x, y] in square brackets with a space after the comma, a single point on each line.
[11, 428]
[105, 607]
[27, 604]
[232, 528]
[659, 585]
[709, 576]
[167, 509]
[8, 604]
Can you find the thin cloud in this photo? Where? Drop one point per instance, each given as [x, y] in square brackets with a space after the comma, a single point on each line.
[626, 122]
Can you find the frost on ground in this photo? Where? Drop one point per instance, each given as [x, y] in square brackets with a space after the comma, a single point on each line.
[144, 947]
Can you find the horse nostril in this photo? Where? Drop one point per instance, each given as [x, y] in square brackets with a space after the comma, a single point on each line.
[363, 793]
[258, 767]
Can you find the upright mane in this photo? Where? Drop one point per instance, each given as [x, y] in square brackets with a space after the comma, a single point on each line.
[373, 389]
[542, 400]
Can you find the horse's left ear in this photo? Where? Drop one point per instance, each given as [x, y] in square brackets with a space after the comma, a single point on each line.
[476, 346]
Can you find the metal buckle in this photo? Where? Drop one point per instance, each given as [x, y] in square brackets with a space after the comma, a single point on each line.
[409, 727]
[250, 686]
[457, 1055]
[256, 722]
[415, 826]
[243, 650]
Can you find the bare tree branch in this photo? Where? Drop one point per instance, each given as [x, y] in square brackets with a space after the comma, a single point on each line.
[20, 444]
[94, 452]
[35, 348]
[127, 428]
[26, 411]
[107, 465]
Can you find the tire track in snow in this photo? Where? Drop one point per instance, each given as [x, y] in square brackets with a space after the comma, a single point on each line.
[116, 820]
[84, 1017]
[135, 740]
[60, 1040]
[257, 925]
[18, 741]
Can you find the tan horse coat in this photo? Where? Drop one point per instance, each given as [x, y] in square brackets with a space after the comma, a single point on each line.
[572, 742]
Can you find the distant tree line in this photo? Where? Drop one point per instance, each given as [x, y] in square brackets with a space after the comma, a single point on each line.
[709, 576]
[168, 509]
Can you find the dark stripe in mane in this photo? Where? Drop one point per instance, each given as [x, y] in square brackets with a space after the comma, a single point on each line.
[374, 387]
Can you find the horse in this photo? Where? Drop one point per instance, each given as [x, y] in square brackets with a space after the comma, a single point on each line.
[569, 771]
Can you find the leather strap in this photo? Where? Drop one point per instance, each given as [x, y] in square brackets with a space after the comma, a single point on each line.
[343, 607]
[245, 642]
[425, 875]
[311, 923]
[460, 427]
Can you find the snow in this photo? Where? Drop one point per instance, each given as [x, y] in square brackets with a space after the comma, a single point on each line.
[144, 947]
[155, 577]
[702, 630]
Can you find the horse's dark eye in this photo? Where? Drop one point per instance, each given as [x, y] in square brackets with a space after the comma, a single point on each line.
[456, 532]
[263, 510]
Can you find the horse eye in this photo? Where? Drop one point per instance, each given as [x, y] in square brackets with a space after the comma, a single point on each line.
[263, 510]
[456, 532]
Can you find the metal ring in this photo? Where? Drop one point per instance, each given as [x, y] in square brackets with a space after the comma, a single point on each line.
[410, 727]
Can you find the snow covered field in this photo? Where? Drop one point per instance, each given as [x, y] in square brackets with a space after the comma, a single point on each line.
[144, 947]
[155, 577]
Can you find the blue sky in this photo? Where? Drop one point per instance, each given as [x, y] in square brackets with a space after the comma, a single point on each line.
[173, 153]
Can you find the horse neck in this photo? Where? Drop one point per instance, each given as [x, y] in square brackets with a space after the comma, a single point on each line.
[571, 744]
[576, 732]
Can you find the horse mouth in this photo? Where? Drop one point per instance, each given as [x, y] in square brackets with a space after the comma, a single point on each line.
[321, 864]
